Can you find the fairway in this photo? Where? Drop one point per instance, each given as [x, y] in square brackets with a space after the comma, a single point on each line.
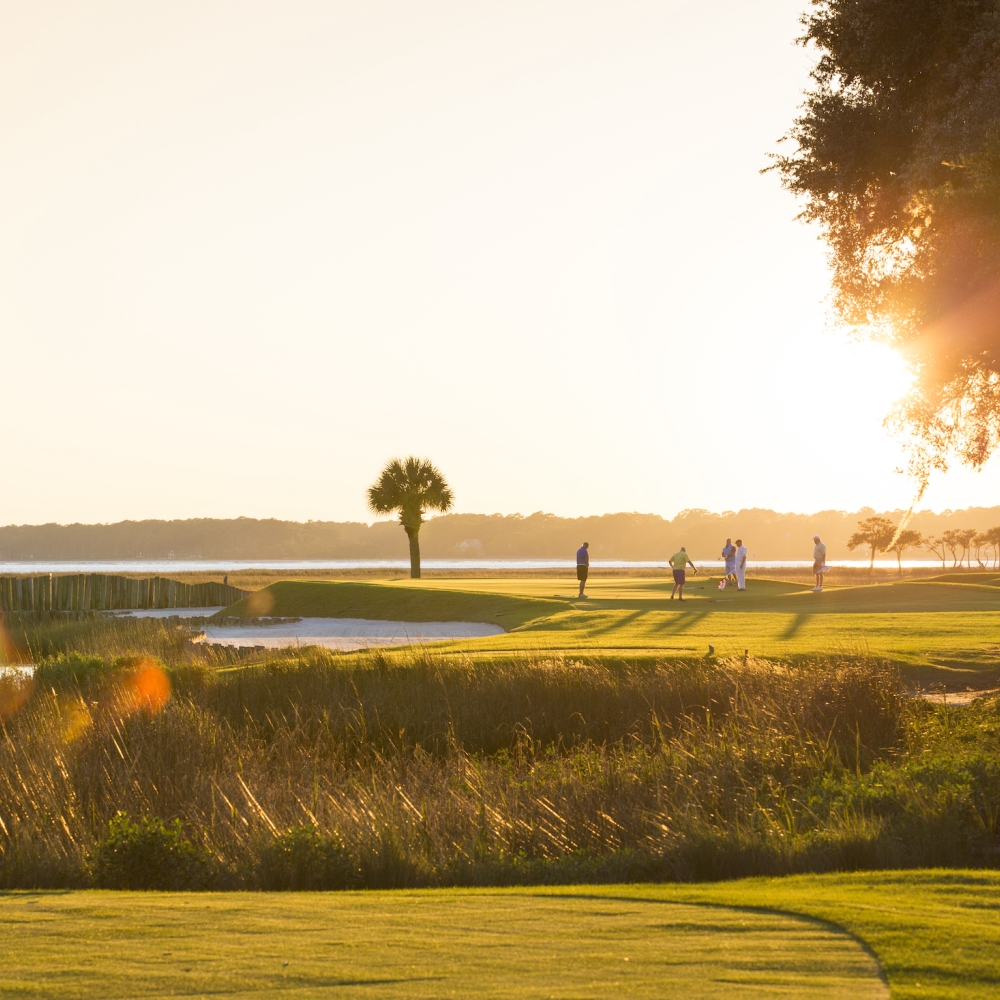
[939, 630]
[584, 943]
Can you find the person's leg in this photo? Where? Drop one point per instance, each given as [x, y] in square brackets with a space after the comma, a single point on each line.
[583, 580]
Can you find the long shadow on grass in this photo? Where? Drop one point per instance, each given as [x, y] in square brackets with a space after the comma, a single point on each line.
[615, 624]
[681, 622]
[795, 625]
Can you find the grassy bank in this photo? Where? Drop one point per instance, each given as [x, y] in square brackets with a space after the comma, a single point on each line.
[385, 602]
[421, 770]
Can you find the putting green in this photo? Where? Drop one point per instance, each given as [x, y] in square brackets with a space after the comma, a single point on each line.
[458, 943]
[937, 629]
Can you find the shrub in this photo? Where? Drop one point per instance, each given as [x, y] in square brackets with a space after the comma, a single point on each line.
[304, 858]
[149, 854]
[70, 670]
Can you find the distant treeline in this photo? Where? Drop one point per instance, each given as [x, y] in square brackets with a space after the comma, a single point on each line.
[767, 534]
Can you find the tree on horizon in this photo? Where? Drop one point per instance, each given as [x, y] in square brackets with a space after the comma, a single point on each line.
[876, 532]
[937, 545]
[409, 487]
[906, 539]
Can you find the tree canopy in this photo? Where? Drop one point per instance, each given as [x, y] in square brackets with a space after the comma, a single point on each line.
[876, 532]
[898, 160]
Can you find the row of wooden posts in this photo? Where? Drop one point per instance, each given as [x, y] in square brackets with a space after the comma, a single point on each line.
[99, 592]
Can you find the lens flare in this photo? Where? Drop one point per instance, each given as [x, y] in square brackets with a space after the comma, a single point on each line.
[16, 689]
[9, 651]
[146, 688]
[75, 719]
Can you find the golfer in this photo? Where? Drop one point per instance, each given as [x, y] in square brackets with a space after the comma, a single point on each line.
[678, 562]
[741, 564]
[819, 562]
[729, 556]
[582, 566]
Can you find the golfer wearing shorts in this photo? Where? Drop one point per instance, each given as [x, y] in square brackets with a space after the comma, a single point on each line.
[678, 562]
[582, 566]
[819, 562]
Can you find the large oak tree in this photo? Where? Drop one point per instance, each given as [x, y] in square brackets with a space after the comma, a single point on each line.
[898, 159]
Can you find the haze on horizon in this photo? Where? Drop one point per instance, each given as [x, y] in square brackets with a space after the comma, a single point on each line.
[250, 251]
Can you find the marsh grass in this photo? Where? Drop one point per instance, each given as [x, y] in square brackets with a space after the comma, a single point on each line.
[433, 770]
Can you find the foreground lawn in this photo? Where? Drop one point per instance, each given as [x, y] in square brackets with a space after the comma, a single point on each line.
[936, 935]
[457, 943]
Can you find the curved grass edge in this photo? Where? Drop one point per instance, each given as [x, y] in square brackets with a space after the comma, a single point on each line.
[934, 932]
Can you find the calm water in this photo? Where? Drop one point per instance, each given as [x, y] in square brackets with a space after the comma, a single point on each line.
[168, 567]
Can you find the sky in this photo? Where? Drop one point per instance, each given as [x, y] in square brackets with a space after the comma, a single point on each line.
[252, 250]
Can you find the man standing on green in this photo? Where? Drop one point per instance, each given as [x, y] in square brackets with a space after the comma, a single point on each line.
[582, 566]
[679, 561]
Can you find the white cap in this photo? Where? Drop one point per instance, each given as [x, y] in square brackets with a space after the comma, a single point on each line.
[815, 538]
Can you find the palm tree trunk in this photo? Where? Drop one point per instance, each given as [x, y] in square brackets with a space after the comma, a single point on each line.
[412, 533]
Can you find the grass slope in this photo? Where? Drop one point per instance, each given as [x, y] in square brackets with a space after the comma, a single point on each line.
[385, 602]
[460, 943]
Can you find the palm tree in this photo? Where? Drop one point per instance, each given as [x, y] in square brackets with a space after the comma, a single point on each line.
[409, 487]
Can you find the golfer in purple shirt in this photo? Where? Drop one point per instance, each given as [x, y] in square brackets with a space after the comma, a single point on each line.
[582, 566]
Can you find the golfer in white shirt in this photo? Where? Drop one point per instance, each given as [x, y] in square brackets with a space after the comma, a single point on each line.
[819, 562]
[741, 564]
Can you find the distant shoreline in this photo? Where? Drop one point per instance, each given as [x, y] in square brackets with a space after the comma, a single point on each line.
[166, 567]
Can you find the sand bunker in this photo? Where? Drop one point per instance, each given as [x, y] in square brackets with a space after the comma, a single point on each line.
[344, 634]
[166, 613]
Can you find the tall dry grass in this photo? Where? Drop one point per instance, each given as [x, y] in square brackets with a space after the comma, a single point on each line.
[434, 771]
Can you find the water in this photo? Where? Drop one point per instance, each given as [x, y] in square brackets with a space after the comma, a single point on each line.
[171, 567]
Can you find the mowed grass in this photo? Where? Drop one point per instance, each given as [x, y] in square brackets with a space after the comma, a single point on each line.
[457, 943]
[939, 630]
[388, 602]
[930, 934]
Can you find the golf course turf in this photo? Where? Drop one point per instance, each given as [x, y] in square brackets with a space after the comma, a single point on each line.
[938, 630]
[927, 934]
[410, 751]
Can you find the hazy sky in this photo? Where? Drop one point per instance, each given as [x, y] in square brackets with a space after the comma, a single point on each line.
[249, 251]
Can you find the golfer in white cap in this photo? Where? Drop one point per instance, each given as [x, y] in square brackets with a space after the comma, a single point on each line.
[819, 562]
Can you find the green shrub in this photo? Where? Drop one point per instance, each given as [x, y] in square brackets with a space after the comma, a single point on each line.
[149, 854]
[304, 858]
[70, 670]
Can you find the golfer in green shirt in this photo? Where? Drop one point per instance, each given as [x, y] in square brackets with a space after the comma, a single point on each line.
[678, 563]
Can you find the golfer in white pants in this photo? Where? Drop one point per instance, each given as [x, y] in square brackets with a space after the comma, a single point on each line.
[741, 564]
